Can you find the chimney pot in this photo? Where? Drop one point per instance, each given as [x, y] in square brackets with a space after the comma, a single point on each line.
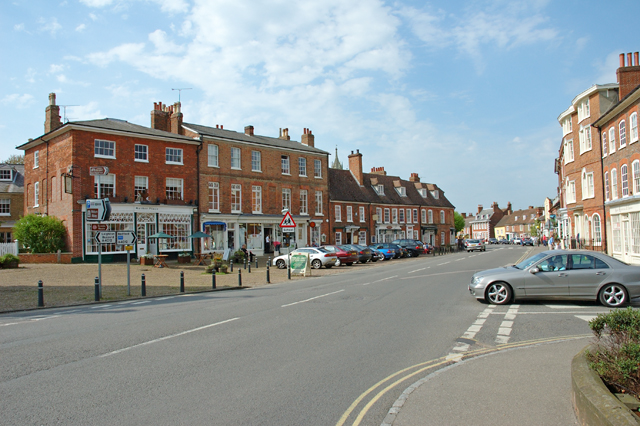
[621, 60]
[628, 59]
[635, 59]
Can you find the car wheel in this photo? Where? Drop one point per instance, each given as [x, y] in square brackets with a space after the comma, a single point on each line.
[338, 263]
[316, 264]
[349, 263]
[499, 293]
[409, 254]
[374, 259]
[613, 296]
[280, 264]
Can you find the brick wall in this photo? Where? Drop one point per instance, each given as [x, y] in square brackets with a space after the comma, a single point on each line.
[45, 258]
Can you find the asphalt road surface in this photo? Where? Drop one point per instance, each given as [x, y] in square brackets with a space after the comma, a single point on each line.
[324, 351]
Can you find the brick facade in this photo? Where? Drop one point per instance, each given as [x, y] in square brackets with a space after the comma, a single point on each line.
[11, 199]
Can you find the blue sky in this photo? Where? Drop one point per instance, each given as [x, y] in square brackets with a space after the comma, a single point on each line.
[464, 93]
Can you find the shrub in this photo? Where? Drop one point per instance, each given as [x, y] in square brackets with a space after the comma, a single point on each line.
[9, 258]
[41, 234]
[616, 356]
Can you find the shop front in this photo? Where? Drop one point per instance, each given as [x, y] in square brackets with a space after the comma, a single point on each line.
[624, 235]
[429, 234]
[144, 221]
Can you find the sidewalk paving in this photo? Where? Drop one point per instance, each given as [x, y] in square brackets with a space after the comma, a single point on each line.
[522, 386]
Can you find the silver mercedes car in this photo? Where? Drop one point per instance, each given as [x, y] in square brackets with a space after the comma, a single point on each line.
[560, 274]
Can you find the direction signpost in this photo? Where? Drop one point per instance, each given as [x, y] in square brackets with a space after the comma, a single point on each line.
[127, 238]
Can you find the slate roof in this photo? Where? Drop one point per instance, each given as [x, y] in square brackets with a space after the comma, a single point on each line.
[257, 139]
[344, 187]
[17, 185]
[111, 124]
[488, 212]
[523, 218]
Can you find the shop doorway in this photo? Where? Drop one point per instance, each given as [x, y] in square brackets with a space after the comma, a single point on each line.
[268, 240]
[231, 240]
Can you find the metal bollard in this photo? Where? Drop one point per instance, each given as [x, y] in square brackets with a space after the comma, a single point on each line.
[268, 278]
[143, 289]
[213, 279]
[245, 263]
[249, 267]
[231, 265]
[239, 277]
[97, 290]
[40, 294]
[181, 281]
[256, 262]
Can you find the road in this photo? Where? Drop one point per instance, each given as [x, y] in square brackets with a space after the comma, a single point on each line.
[323, 351]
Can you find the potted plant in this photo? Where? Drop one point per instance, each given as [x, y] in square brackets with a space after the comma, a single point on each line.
[184, 258]
[216, 262]
[146, 259]
[238, 256]
[223, 269]
[9, 261]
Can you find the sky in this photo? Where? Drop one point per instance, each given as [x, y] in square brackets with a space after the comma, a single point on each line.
[464, 93]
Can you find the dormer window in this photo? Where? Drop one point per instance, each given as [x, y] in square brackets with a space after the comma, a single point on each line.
[402, 191]
[435, 194]
[516, 218]
[379, 189]
[423, 192]
[6, 175]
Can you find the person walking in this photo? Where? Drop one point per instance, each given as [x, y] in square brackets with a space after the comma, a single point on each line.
[551, 243]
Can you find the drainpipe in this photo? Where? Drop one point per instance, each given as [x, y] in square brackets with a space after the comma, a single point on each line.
[197, 219]
[603, 223]
[46, 195]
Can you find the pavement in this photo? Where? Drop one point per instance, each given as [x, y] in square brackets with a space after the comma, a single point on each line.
[526, 385]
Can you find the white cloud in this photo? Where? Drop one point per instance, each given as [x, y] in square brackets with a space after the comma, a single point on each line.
[90, 111]
[18, 27]
[50, 25]
[55, 68]
[17, 101]
[606, 70]
[97, 3]
[80, 28]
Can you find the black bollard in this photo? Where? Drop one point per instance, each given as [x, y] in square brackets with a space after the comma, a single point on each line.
[268, 277]
[239, 277]
[256, 262]
[181, 281]
[143, 289]
[97, 290]
[213, 279]
[245, 263]
[231, 265]
[40, 294]
[249, 264]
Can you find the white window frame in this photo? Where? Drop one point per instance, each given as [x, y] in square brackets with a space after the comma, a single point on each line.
[423, 216]
[213, 155]
[379, 189]
[302, 166]
[256, 161]
[5, 206]
[173, 156]
[286, 199]
[319, 203]
[568, 151]
[635, 170]
[605, 145]
[361, 213]
[256, 199]
[394, 215]
[214, 197]
[624, 180]
[430, 214]
[140, 185]
[402, 191]
[285, 165]
[606, 186]
[317, 169]
[387, 216]
[596, 224]
[36, 194]
[36, 159]
[105, 180]
[614, 184]
[105, 146]
[141, 153]
[349, 214]
[622, 133]
[408, 215]
[236, 158]
[400, 215]
[173, 183]
[338, 213]
[633, 128]
[338, 237]
[571, 191]
[442, 216]
[236, 198]
[415, 216]
[304, 203]
[4, 177]
[612, 140]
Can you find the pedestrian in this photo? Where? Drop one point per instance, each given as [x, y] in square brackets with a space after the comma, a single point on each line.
[551, 243]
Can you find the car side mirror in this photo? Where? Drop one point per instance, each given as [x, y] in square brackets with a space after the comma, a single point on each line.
[534, 270]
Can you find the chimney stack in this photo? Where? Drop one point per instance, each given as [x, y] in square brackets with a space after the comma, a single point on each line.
[355, 165]
[479, 208]
[248, 130]
[176, 119]
[414, 177]
[378, 171]
[284, 134]
[160, 117]
[307, 138]
[628, 74]
[52, 115]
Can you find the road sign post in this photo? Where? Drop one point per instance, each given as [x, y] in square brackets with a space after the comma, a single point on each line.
[127, 238]
[288, 226]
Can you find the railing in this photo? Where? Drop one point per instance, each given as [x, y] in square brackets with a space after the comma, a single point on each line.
[11, 248]
[589, 244]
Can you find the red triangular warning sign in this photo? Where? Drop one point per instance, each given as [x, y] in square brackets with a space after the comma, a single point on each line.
[287, 221]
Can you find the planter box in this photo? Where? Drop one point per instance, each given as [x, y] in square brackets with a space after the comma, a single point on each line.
[184, 259]
[10, 265]
[146, 260]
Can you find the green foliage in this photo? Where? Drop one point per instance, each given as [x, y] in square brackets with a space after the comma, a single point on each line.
[8, 258]
[458, 221]
[14, 159]
[616, 357]
[41, 234]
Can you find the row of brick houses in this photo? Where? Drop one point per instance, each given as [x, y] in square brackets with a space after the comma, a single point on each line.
[178, 178]
[598, 166]
[497, 223]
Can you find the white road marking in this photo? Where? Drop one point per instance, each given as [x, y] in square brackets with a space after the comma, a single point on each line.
[141, 302]
[416, 270]
[439, 264]
[565, 306]
[313, 298]
[167, 337]
[100, 306]
[504, 331]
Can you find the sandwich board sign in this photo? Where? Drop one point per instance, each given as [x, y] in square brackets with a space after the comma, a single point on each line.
[288, 224]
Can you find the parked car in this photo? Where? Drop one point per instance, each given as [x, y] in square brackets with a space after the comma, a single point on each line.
[560, 274]
[364, 253]
[389, 251]
[472, 245]
[318, 256]
[504, 241]
[527, 242]
[493, 241]
[517, 240]
[414, 247]
[376, 255]
[345, 257]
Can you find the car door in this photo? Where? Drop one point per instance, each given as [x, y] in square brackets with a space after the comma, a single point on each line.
[586, 274]
[552, 278]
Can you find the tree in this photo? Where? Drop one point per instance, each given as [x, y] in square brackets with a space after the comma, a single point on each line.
[458, 221]
[41, 234]
[15, 159]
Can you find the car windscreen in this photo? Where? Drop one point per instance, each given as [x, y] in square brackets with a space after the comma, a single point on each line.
[530, 261]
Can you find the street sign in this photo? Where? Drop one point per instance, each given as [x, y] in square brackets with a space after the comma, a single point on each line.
[287, 222]
[126, 238]
[288, 230]
[99, 227]
[98, 210]
[108, 237]
[98, 171]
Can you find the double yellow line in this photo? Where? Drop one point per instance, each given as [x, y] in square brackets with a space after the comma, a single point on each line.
[432, 364]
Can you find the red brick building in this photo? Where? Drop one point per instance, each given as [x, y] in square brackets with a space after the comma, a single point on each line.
[151, 184]
[247, 180]
[485, 221]
[373, 207]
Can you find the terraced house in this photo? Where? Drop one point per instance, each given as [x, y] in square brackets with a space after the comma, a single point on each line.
[518, 223]
[374, 207]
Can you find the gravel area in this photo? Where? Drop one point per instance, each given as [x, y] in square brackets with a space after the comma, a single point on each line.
[73, 284]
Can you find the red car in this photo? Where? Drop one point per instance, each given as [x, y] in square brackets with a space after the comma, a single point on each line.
[345, 257]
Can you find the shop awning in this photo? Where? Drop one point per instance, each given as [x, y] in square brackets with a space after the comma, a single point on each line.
[214, 224]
